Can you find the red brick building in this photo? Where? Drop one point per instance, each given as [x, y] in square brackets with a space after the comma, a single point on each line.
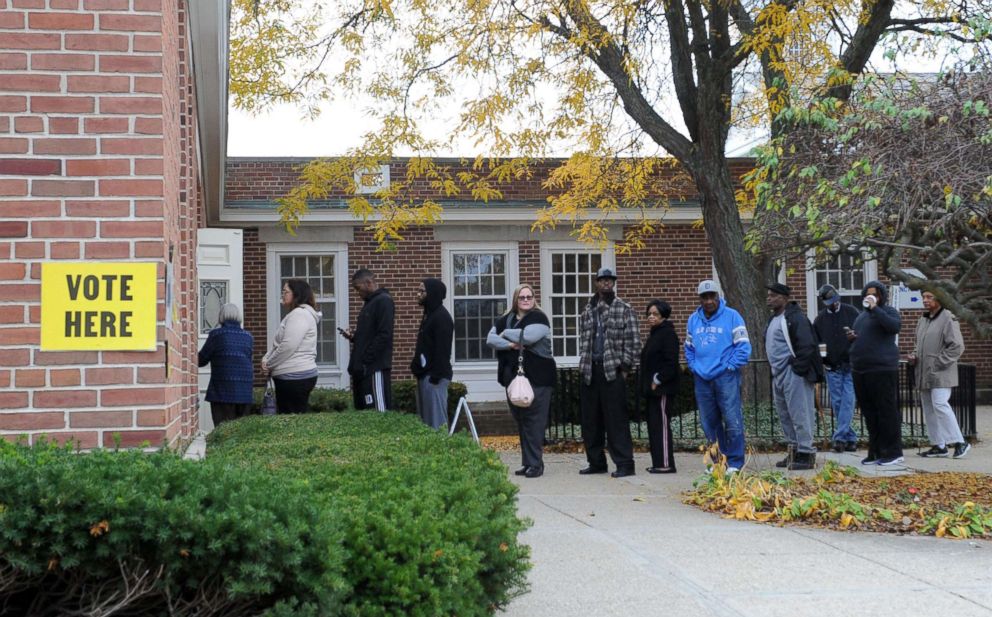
[481, 251]
[112, 151]
[112, 116]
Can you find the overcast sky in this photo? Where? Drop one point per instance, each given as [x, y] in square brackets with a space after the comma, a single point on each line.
[284, 131]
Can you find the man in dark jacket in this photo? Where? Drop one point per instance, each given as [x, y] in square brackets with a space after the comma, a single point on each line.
[831, 326]
[875, 369]
[371, 361]
[431, 363]
[796, 366]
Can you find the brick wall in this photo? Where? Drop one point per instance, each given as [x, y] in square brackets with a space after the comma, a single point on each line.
[97, 162]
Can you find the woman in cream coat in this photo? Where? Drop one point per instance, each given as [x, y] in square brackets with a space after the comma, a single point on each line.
[292, 361]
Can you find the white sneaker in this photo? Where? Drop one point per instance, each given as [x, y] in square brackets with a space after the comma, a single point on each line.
[732, 470]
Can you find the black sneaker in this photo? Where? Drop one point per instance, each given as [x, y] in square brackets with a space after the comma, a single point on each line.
[960, 449]
[871, 459]
[851, 446]
[522, 471]
[838, 446]
[892, 460]
[934, 452]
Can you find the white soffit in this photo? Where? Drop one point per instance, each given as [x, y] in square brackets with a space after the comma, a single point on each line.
[209, 22]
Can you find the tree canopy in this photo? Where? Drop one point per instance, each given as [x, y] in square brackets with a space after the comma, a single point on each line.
[903, 171]
[623, 86]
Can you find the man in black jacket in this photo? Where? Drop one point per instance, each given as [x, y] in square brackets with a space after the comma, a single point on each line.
[831, 327]
[796, 366]
[371, 361]
[431, 363]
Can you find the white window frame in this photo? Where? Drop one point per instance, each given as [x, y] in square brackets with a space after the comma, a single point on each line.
[332, 375]
[548, 248]
[869, 266]
[448, 250]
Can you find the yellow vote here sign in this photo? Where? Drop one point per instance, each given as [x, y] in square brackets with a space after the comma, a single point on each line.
[98, 306]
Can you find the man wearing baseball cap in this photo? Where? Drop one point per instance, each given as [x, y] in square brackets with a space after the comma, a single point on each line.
[831, 325]
[609, 345]
[716, 348]
[795, 365]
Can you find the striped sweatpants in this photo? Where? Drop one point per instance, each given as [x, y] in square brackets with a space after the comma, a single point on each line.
[372, 391]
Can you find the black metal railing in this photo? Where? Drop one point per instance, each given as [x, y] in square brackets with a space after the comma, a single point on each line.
[761, 424]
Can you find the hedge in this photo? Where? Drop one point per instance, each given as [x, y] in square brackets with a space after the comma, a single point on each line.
[405, 397]
[323, 400]
[129, 533]
[432, 526]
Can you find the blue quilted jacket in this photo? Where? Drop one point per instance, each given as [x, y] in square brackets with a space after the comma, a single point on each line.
[228, 351]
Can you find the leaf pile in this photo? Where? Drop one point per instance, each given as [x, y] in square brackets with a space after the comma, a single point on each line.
[946, 504]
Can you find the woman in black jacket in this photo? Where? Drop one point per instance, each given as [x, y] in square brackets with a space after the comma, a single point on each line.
[660, 383]
[525, 331]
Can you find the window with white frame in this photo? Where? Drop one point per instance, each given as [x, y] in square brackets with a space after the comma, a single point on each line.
[321, 273]
[847, 272]
[480, 281]
[568, 280]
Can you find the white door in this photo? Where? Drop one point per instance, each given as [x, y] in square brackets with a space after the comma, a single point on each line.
[219, 271]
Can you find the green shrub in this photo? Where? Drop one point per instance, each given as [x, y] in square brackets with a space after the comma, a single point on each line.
[155, 535]
[405, 395]
[322, 400]
[432, 520]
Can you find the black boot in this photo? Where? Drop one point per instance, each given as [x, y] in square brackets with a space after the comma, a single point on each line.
[802, 461]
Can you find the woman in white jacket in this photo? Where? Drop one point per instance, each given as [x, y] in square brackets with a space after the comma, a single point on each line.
[292, 361]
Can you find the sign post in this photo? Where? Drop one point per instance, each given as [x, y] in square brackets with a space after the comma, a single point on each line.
[99, 306]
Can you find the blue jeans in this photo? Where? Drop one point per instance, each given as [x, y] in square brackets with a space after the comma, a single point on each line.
[721, 414]
[841, 388]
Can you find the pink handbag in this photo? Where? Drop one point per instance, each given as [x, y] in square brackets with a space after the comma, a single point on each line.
[520, 393]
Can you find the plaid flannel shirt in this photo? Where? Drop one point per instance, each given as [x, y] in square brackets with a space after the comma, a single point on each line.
[623, 338]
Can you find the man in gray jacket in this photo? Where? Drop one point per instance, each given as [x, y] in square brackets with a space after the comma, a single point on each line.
[938, 347]
[796, 367]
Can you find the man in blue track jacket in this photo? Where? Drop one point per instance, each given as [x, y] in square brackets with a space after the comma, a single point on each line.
[716, 348]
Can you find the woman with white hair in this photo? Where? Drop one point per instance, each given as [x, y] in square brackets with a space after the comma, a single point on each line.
[228, 352]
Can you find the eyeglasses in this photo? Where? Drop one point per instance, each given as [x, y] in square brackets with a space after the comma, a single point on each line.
[525, 297]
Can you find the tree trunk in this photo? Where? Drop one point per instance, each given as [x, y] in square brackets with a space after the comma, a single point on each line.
[740, 279]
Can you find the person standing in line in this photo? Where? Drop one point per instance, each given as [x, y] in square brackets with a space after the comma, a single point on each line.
[609, 344]
[292, 361]
[875, 371]
[431, 363]
[525, 332]
[831, 325]
[796, 366]
[228, 350]
[939, 345]
[717, 347]
[660, 384]
[371, 360]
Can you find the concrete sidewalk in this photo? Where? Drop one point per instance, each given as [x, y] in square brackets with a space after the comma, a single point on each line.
[630, 548]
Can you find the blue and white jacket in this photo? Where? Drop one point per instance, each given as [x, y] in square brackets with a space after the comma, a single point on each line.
[714, 345]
